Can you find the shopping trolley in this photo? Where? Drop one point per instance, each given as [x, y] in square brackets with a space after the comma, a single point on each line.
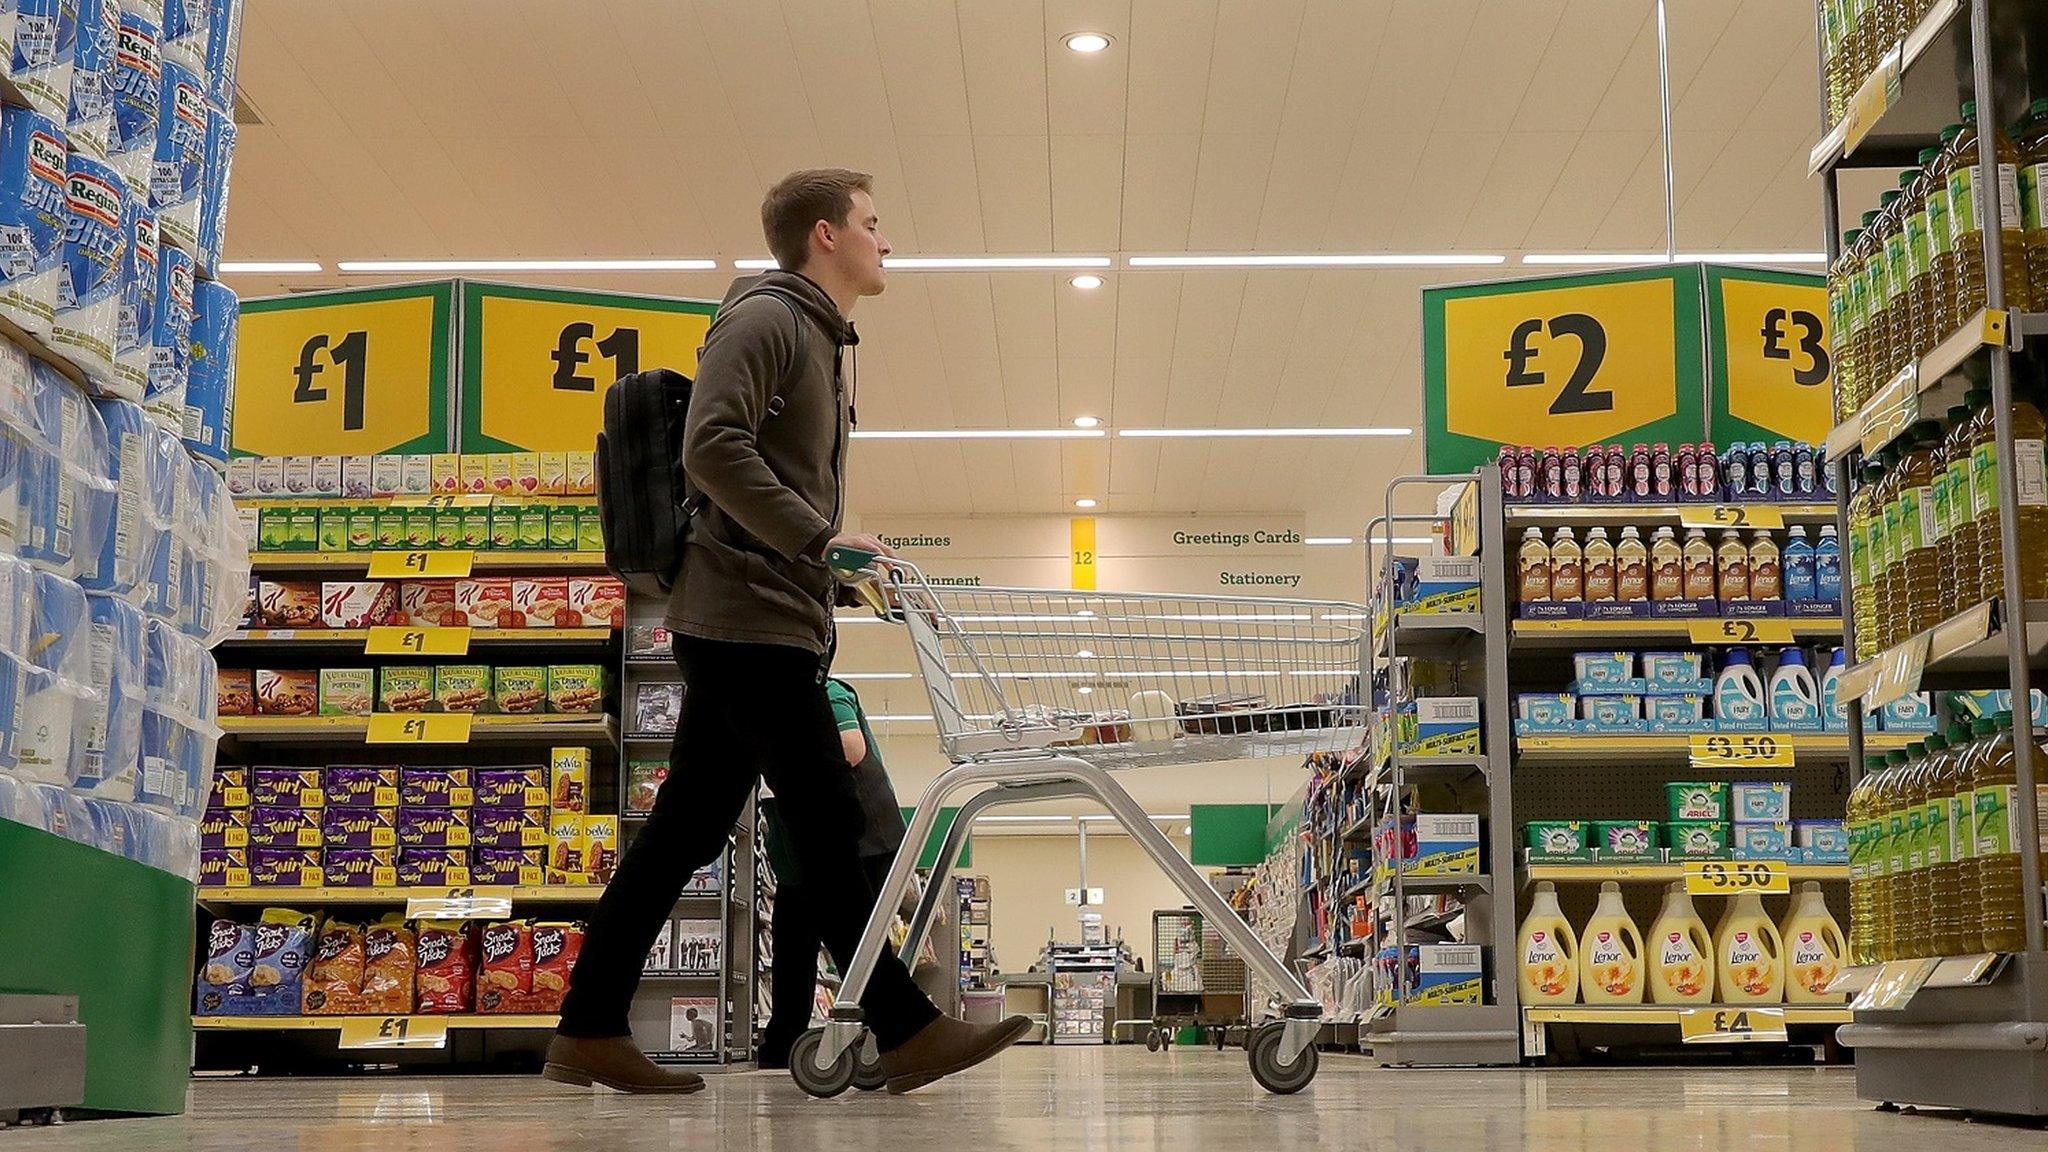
[1040, 694]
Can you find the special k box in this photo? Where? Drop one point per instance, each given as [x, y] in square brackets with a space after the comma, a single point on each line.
[484, 601]
[543, 602]
[430, 604]
[599, 601]
[358, 603]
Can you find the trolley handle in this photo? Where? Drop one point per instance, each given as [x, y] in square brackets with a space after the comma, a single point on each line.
[881, 581]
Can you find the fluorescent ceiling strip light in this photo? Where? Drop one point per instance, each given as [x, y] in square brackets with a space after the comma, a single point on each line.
[690, 265]
[1257, 433]
[873, 675]
[1757, 257]
[1321, 260]
[1095, 819]
[1001, 819]
[980, 434]
[1331, 540]
[1594, 258]
[991, 263]
[905, 716]
[274, 267]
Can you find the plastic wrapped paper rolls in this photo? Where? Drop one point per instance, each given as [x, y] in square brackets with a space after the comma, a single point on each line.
[171, 347]
[135, 329]
[95, 255]
[41, 38]
[137, 89]
[175, 179]
[221, 137]
[210, 390]
[185, 26]
[33, 165]
[113, 727]
[91, 117]
[223, 51]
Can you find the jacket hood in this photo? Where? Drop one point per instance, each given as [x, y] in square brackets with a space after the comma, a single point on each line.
[805, 291]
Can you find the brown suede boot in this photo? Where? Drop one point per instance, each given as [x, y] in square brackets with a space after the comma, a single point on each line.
[615, 1062]
[946, 1046]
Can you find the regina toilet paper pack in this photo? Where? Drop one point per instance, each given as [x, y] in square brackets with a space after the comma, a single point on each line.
[91, 115]
[40, 37]
[137, 89]
[171, 347]
[33, 166]
[210, 390]
[176, 175]
[135, 327]
[95, 255]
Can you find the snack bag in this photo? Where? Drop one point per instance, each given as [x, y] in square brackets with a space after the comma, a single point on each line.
[337, 970]
[390, 965]
[555, 948]
[230, 957]
[283, 943]
[447, 969]
[506, 978]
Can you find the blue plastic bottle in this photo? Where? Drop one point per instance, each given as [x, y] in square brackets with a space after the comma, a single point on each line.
[1735, 473]
[1799, 567]
[1827, 568]
[1802, 471]
[1739, 695]
[1784, 471]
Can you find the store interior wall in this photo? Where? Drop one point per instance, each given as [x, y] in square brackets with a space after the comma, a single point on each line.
[1029, 875]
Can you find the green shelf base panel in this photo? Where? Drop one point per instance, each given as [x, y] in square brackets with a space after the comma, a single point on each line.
[119, 936]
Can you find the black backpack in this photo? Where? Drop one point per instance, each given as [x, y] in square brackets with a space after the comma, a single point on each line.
[644, 500]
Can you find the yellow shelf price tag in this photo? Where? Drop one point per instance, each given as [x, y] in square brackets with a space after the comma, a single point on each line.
[394, 1032]
[1872, 100]
[466, 903]
[1732, 1025]
[387, 641]
[1741, 750]
[1731, 516]
[445, 500]
[421, 562]
[419, 728]
[1773, 630]
[1727, 877]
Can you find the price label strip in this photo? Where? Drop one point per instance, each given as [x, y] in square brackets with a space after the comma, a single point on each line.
[1741, 631]
[419, 728]
[476, 903]
[422, 562]
[1872, 100]
[394, 1032]
[445, 500]
[1727, 877]
[1895, 407]
[1898, 672]
[1959, 632]
[386, 641]
[1741, 750]
[1732, 1025]
[1896, 984]
[1731, 516]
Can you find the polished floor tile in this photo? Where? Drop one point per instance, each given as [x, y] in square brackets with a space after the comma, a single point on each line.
[1039, 1098]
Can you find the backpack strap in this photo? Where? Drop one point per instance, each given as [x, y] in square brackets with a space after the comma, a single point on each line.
[796, 362]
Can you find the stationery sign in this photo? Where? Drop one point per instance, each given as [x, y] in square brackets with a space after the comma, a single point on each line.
[1563, 360]
[536, 362]
[351, 373]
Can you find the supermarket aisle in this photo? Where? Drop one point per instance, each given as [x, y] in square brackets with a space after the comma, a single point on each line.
[1038, 1098]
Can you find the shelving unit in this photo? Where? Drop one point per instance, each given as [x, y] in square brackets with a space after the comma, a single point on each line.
[1675, 748]
[355, 637]
[458, 1020]
[1577, 633]
[485, 561]
[1083, 992]
[591, 727]
[1982, 1043]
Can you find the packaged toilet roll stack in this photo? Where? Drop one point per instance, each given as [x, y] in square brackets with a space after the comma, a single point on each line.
[135, 329]
[40, 37]
[137, 88]
[91, 116]
[96, 241]
[210, 385]
[33, 167]
[176, 175]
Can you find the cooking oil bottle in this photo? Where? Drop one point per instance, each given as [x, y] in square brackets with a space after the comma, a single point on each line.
[2031, 135]
[1877, 284]
[2030, 466]
[1911, 930]
[1862, 592]
[1969, 932]
[1898, 279]
[1960, 442]
[1966, 200]
[1941, 235]
[1953, 835]
[1946, 522]
[1985, 495]
[1920, 572]
[1865, 863]
[1919, 254]
[1898, 765]
[2000, 907]
[1885, 506]
[1833, 68]
[1845, 314]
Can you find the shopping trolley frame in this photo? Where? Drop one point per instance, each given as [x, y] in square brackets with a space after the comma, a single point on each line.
[1014, 760]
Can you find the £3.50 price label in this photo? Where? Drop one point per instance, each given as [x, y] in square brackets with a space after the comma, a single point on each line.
[1725, 877]
[419, 728]
[1741, 750]
[394, 1032]
[391, 641]
[466, 903]
[1732, 1025]
[423, 562]
[1741, 631]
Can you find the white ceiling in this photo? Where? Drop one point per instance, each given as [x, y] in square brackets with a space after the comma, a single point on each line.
[536, 128]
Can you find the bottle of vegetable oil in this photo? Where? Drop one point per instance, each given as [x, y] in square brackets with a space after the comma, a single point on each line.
[1920, 573]
[1966, 200]
[1999, 907]
[1917, 937]
[1898, 284]
[1941, 235]
[1862, 570]
[1845, 314]
[2030, 466]
[1952, 833]
[1919, 254]
[1946, 521]
[1969, 933]
[2032, 138]
[1898, 766]
[1865, 864]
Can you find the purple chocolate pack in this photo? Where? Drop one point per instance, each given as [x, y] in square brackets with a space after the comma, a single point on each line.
[435, 788]
[508, 827]
[511, 787]
[360, 785]
[506, 865]
[433, 827]
[272, 787]
[359, 828]
[360, 867]
[431, 867]
[284, 828]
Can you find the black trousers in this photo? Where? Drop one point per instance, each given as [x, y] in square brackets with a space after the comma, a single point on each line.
[751, 710]
[795, 932]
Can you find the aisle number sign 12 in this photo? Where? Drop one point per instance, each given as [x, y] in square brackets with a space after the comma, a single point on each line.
[1561, 360]
[536, 362]
[344, 373]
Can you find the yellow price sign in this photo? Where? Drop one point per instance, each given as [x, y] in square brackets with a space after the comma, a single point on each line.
[1740, 630]
[344, 373]
[390, 641]
[394, 1032]
[1731, 1025]
[445, 501]
[538, 361]
[1726, 877]
[1731, 516]
[1773, 365]
[419, 728]
[1741, 750]
[421, 562]
[462, 903]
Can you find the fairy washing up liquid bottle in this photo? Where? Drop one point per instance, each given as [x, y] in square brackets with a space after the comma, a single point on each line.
[1546, 952]
[1681, 953]
[1749, 953]
[1813, 948]
[1611, 953]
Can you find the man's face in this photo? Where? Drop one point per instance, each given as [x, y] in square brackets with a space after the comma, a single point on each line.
[858, 246]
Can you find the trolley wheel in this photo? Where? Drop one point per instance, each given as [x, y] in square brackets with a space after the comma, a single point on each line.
[1153, 1041]
[1263, 1048]
[823, 1083]
[869, 1077]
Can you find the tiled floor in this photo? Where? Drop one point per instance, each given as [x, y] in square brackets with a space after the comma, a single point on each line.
[1038, 1098]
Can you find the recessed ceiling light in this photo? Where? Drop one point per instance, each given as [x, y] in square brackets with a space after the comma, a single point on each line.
[1255, 433]
[273, 267]
[1084, 502]
[1087, 43]
[1086, 282]
[1086, 422]
[685, 265]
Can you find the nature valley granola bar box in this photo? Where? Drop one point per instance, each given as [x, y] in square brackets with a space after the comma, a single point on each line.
[347, 691]
[404, 688]
[575, 688]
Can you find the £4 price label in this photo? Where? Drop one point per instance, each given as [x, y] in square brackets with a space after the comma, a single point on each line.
[1732, 1025]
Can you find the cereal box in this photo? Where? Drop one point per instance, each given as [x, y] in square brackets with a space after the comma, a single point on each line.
[511, 787]
[387, 475]
[347, 691]
[474, 473]
[284, 868]
[360, 867]
[533, 527]
[446, 981]
[569, 779]
[434, 787]
[505, 981]
[523, 866]
[287, 788]
[298, 476]
[562, 527]
[598, 601]
[554, 474]
[447, 469]
[433, 867]
[361, 785]
[235, 690]
[359, 828]
[221, 828]
[519, 689]
[404, 688]
[600, 847]
[462, 687]
[565, 848]
[288, 603]
[287, 692]
[270, 475]
[526, 474]
[499, 468]
[485, 602]
[284, 828]
[417, 475]
[509, 827]
[575, 688]
[543, 602]
[433, 827]
[356, 479]
[582, 474]
[429, 604]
